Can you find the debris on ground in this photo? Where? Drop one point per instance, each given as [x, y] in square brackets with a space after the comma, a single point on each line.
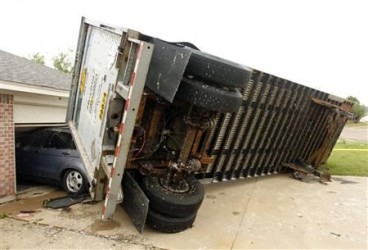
[307, 173]
[338, 235]
[3, 215]
[63, 202]
[28, 211]
[23, 215]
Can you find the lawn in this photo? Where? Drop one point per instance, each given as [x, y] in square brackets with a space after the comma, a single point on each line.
[349, 158]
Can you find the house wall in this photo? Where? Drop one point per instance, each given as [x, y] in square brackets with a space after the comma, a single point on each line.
[7, 148]
[24, 110]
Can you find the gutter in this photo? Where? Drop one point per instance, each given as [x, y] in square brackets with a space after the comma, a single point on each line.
[6, 87]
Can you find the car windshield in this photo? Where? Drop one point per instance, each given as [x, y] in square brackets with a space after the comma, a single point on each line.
[61, 140]
[48, 139]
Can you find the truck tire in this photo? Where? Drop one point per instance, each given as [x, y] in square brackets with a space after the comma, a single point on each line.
[209, 97]
[186, 44]
[168, 224]
[216, 70]
[170, 203]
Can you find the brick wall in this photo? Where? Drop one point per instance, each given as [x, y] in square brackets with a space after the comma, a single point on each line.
[7, 149]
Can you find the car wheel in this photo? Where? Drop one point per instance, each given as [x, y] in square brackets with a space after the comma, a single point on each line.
[218, 71]
[168, 224]
[73, 182]
[174, 202]
[209, 97]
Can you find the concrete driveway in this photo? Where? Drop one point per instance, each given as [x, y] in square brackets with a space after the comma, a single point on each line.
[265, 212]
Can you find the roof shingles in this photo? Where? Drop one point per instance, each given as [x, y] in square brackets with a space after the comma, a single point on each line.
[20, 70]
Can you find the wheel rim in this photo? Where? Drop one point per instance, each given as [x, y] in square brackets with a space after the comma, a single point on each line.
[74, 181]
[180, 187]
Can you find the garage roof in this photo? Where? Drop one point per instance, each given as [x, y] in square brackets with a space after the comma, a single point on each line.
[20, 70]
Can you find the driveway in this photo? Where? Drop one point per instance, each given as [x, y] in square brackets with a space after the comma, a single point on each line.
[265, 212]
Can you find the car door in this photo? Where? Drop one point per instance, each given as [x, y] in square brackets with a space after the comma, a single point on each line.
[29, 154]
[57, 154]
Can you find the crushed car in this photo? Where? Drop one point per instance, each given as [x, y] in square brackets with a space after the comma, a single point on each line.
[49, 155]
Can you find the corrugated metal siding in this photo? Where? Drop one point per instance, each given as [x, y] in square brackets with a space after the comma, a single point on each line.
[277, 123]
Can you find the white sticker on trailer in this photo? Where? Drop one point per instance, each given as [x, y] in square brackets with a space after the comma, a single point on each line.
[99, 77]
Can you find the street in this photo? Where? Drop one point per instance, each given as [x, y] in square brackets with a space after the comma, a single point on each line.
[359, 134]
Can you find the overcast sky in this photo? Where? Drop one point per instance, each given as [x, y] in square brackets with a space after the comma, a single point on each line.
[321, 44]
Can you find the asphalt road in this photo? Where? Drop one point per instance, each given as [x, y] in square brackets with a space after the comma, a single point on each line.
[359, 134]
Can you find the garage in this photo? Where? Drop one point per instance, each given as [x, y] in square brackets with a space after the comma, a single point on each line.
[31, 96]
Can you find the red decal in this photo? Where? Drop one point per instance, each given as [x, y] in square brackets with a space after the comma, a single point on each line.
[116, 151]
[127, 104]
[133, 79]
[112, 172]
[121, 129]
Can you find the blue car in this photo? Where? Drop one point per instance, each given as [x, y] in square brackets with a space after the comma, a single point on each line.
[49, 156]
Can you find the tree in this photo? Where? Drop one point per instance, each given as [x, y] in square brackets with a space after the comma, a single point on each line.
[38, 58]
[359, 110]
[63, 62]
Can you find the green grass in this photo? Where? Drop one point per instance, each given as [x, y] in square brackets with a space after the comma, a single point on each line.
[347, 161]
[344, 144]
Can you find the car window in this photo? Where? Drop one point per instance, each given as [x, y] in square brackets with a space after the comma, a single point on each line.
[39, 139]
[61, 140]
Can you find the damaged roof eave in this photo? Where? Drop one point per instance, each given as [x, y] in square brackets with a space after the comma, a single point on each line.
[9, 87]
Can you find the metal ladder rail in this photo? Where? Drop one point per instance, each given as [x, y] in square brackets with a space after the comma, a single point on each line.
[126, 127]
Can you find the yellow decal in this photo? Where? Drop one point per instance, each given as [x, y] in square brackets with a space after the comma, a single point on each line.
[103, 104]
[83, 80]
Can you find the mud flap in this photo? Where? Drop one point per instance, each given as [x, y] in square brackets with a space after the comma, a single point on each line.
[167, 68]
[135, 202]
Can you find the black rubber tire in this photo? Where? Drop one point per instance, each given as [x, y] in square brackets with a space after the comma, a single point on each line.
[79, 188]
[186, 44]
[171, 203]
[209, 97]
[216, 70]
[168, 224]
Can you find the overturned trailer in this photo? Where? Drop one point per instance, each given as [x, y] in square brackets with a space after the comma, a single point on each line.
[150, 118]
